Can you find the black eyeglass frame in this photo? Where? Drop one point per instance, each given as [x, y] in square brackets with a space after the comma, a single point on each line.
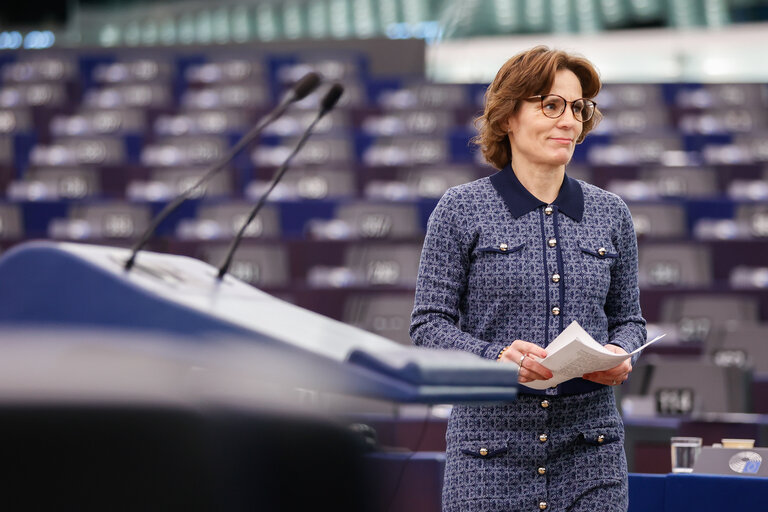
[541, 97]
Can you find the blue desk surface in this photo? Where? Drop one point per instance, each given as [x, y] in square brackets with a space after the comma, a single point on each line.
[699, 493]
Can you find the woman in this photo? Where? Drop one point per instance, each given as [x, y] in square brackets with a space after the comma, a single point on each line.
[508, 262]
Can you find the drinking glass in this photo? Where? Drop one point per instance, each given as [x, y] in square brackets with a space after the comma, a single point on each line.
[684, 453]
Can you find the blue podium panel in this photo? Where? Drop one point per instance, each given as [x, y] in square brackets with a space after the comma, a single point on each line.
[64, 284]
[696, 493]
[646, 492]
[705, 493]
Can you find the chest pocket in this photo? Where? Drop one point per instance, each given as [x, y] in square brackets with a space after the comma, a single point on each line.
[498, 272]
[593, 267]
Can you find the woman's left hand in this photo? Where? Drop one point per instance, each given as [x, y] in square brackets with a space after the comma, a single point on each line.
[613, 376]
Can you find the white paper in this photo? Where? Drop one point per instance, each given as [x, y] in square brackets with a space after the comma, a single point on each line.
[574, 352]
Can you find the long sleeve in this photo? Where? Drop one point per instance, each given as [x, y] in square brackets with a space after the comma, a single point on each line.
[626, 325]
[442, 282]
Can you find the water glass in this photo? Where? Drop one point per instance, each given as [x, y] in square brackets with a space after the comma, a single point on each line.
[684, 453]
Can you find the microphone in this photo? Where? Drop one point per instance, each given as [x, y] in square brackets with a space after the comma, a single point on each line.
[326, 105]
[299, 91]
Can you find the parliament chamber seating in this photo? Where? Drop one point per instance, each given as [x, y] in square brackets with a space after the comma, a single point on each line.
[92, 145]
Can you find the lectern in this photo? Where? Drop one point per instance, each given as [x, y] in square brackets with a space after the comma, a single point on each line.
[78, 285]
[154, 388]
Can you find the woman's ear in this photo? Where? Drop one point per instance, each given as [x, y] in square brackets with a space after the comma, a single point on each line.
[504, 125]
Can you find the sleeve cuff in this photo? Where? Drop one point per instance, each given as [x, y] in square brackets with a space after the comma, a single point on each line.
[493, 350]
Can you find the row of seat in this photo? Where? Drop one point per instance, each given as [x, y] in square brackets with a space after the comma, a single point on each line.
[301, 209]
[399, 169]
[186, 69]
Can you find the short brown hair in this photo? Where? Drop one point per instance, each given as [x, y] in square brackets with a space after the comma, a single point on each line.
[527, 74]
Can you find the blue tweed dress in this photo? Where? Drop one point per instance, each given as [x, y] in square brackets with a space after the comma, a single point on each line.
[499, 265]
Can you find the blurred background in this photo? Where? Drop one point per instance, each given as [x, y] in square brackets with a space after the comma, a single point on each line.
[110, 108]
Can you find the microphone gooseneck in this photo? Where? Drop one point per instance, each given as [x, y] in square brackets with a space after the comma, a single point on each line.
[326, 105]
[300, 90]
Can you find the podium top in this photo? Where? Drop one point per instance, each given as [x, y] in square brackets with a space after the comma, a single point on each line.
[80, 285]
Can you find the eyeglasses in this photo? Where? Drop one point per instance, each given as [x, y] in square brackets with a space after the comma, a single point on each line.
[553, 106]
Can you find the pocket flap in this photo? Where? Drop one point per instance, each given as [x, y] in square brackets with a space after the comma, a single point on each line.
[484, 450]
[600, 436]
[600, 252]
[502, 248]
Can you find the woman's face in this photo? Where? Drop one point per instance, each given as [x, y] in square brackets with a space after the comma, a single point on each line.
[538, 141]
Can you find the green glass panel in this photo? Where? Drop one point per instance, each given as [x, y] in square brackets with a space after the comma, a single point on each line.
[266, 22]
[220, 25]
[646, 9]
[241, 24]
[388, 12]
[203, 28]
[150, 33]
[187, 28]
[317, 19]
[340, 18]
[109, 35]
[536, 16]
[588, 19]
[415, 11]
[293, 22]
[365, 19]
[716, 13]
[132, 33]
[168, 31]
[507, 15]
[562, 17]
[685, 13]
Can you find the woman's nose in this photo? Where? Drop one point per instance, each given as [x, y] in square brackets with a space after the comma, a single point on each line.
[568, 119]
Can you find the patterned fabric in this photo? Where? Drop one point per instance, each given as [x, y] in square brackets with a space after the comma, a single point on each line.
[499, 265]
[578, 471]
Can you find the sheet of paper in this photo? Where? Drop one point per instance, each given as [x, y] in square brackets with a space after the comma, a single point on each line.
[574, 352]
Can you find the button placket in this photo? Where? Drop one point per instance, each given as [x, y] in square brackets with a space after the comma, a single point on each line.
[556, 276]
[540, 416]
[542, 469]
[552, 249]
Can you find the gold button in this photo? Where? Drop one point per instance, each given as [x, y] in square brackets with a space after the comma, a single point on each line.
[542, 470]
[542, 505]
[600, 438]
[483, 451]
[545, 403]
[543, 438]
[552, 242]
[555, 310]
[555, 278]
[548, 210]
[503, 247]
[601, 251]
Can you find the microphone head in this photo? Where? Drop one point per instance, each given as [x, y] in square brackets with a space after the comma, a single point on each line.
[305, 86]
[331, 97]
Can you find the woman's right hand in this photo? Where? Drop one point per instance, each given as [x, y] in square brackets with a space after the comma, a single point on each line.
[531, 369]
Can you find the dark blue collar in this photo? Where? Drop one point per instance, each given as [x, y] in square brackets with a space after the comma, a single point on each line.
[570, 199]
